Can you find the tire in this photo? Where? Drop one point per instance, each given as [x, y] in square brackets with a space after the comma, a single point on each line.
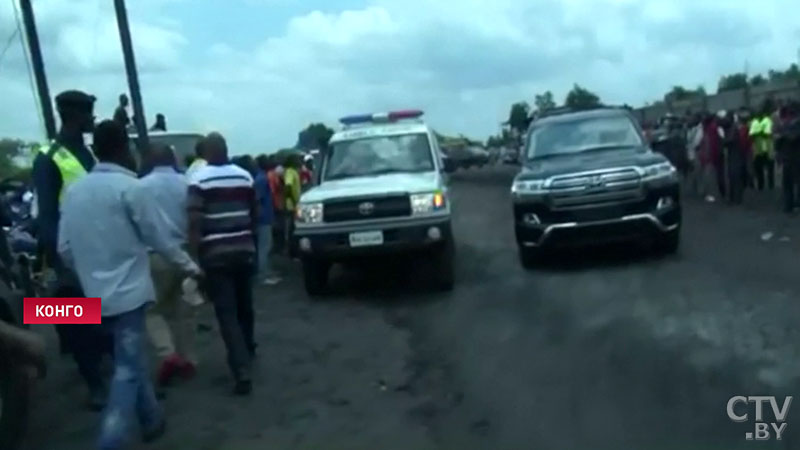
[315, 276]
[15, 386]
[444, 268]
[669, 242]
[530, 257]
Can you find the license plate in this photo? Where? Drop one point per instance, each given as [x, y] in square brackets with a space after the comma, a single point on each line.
[366, 238]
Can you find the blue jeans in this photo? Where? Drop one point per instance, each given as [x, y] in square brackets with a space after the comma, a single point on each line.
[131, 388]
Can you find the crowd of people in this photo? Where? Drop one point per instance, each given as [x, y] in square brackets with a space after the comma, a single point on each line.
[722, 155]
[154, 242]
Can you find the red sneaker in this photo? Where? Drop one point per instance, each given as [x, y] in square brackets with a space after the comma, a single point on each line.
[187, 369]
[169, 367]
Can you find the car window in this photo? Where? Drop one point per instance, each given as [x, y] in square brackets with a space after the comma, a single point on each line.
[581, 135]
[384, 154]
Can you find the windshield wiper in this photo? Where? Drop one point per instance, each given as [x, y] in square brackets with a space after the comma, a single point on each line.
[601, 148]
[546, 156]
[362, 174]
[341, 175]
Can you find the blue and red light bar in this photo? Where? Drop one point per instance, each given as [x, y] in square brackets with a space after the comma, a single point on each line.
[382, 117]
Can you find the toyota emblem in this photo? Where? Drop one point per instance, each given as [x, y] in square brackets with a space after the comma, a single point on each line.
[596, 181]
[366, 208]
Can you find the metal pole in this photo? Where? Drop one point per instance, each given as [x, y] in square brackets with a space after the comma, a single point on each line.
[38, 68]
[139, 119]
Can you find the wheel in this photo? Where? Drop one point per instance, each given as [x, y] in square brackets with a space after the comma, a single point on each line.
[444, 267]
[530, 257]
[315, 276]
[14, 397]
[669, 242]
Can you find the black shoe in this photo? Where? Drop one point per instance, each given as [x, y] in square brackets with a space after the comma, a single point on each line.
[97, 399]
[155, 433]
[160, 392]
[243, 387]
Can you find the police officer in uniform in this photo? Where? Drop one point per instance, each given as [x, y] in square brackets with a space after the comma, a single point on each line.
[58, 165]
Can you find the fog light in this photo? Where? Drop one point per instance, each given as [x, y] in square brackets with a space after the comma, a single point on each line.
[531, 219]
[664, 202]
[305, 244]
[434, 233]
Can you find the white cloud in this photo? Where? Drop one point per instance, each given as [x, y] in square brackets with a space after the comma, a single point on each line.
[463, 61]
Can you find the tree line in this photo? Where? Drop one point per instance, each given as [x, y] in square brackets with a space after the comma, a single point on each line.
[521, 113]
[736, 81]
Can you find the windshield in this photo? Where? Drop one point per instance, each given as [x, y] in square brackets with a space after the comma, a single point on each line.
[378, 155]
[595, 133]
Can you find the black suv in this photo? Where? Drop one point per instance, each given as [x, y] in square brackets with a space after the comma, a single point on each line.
[589, 177]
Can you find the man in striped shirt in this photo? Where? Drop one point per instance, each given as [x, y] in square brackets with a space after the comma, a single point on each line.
[222, 224]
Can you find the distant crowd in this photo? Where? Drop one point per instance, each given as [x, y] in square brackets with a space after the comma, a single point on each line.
[724, 154]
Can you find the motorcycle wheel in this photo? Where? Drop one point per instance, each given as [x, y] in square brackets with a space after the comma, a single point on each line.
[15, 387]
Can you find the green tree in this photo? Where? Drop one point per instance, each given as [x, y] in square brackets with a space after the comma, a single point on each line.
[494, 141]
[732, 82]
[544, 101]
[678, 93]
[519, 116]
[9, 150]
[580, 98]
[313, 137]
[790, 74]
[758, 80]
[793, 73]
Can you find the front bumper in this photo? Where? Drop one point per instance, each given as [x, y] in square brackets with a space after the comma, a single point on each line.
[398, 238]
[614, 223]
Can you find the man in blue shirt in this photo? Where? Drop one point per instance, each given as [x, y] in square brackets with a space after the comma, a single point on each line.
[266, 217]
[104, 236]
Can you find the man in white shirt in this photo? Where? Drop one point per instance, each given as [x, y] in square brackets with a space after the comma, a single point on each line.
[694, 140]
[161, 195]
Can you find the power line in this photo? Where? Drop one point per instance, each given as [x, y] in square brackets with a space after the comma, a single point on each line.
[24, 44]
[8, 44]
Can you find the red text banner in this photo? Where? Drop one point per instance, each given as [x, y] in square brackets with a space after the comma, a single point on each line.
[62, 311]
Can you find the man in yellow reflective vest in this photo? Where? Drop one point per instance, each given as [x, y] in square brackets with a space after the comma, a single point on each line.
[763, 148]
[55, 168]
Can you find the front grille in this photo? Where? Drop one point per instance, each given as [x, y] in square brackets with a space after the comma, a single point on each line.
[595, 234]
[353, 209]
[595, 189]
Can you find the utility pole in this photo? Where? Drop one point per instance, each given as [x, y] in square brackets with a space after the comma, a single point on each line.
[139, 120]
[37, 64]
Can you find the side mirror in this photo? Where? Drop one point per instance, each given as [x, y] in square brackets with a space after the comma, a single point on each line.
[448, 165]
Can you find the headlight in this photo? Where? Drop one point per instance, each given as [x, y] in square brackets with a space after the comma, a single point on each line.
[659, 171]
[309, 213]
[428, 202]
[527, 187]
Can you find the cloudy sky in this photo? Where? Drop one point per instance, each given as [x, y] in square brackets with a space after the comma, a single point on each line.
[260, 70]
